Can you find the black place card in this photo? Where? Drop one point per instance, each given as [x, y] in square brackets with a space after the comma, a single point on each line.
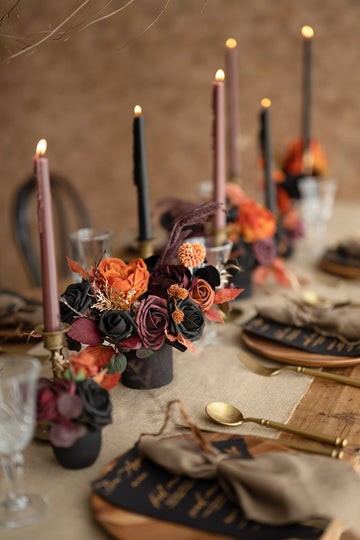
[138, 485]
[300, 338]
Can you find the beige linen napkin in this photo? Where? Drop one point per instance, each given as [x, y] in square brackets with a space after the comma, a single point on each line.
[275, 488]
[339, 322]
[17, 310]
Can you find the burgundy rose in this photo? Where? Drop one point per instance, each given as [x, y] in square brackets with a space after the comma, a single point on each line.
[152, 320]
[264, 251]
[165, 276]
[48, 393]
[202, 294]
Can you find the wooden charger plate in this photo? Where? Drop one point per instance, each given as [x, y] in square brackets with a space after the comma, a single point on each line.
[126, 525]
[338, 269]
[291, 355]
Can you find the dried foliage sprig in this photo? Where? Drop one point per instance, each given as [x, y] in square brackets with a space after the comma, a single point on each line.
[182, 229]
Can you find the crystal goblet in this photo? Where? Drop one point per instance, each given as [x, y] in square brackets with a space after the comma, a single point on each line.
[18, 380]
[216, 256]
[88, 246]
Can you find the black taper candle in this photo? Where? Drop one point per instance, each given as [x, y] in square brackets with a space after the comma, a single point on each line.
[270, 191]
[307, 33]
[141, 177]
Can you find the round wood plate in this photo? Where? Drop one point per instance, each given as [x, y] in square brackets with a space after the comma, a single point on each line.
[126, 525]
[290, 355]
[350, 272]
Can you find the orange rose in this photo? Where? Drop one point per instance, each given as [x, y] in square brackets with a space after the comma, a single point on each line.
[91, 361]
[124, 277]
[256, 221]
[202, 294]
[293, 162]
[283, 200]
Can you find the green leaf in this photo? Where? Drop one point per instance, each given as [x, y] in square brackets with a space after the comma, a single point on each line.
[144, 353]
[80, 376]
[68, 374]
[117, 364]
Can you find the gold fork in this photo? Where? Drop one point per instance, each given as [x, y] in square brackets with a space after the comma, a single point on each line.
[259, 369]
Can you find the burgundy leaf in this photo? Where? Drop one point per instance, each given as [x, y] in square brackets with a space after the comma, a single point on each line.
[63, 436]
[85, 331]
[70, 405]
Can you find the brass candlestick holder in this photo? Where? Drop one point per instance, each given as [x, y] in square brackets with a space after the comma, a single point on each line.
[54, 343]
[308, 162]
[220, 237]
[146, 248]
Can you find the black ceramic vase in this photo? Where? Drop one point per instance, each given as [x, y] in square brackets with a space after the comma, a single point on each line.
[151, 372]
[82, 453]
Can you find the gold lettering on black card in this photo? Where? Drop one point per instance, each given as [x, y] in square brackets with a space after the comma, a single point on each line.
[137, 481]
[158, 495]
[200, 503]
[215, 505]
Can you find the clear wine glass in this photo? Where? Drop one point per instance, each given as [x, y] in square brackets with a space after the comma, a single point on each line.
[216, 256]
[18, 380]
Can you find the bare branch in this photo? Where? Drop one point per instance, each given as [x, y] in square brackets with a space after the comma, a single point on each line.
[108, 15]
[162, 11]
[50, 34]
[7, 14]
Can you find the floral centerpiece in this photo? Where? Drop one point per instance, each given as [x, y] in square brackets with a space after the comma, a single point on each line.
[68, 408]
[144, 304]
[253, 230]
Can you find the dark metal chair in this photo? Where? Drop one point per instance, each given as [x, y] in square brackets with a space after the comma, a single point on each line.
[69, 213]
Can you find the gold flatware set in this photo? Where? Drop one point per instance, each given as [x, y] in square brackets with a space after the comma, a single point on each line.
[260, 369]
[228, 415]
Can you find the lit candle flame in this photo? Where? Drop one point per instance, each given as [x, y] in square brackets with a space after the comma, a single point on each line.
[231, 43]
[41, 147]
[307, 32]
[266, 103]
[220, 75]
[137, 110]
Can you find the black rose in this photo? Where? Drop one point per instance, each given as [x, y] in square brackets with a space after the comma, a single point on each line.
[192, 325]
[117, 325]
[96, 402]
[78, 296]
[210, 274]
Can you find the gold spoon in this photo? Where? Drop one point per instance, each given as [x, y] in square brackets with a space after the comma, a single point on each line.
[259, 369]
[335, 453]
[228, 415]
[313, 299]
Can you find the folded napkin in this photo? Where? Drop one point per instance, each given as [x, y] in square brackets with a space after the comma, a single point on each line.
[350, 247]
[276, 488]
[339, 322]
[17, 310]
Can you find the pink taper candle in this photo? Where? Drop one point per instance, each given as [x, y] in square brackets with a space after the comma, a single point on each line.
[52, 321]
[219, 150]
[233, 109]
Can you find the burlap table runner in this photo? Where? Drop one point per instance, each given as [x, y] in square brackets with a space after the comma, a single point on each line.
[214, 373]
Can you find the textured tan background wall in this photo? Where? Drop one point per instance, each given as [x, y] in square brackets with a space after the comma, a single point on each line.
[78, 91]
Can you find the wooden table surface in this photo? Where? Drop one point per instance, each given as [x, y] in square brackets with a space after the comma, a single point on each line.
[332, 408]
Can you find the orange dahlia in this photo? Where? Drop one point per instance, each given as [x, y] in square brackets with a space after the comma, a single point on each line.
[191, 254]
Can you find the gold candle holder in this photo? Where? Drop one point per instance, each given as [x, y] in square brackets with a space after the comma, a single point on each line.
[146, 248]
[308, 162]
[54, 343]
[220, 237]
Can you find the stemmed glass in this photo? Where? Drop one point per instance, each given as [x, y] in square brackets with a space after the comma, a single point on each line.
[215, 256]
[18, 379]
